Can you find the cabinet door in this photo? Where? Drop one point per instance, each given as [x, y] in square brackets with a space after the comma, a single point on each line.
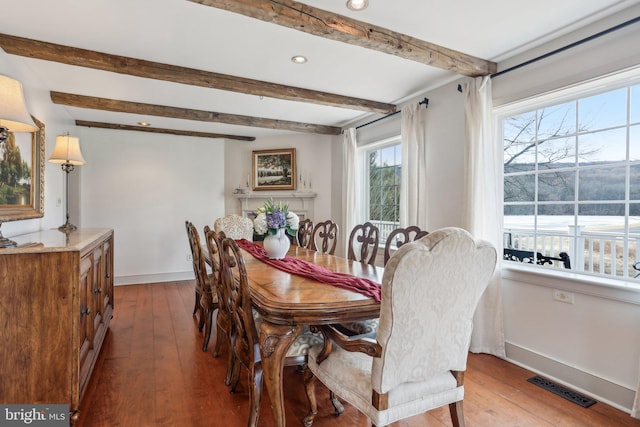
[106, 289]
[97, 284]
[85, 324]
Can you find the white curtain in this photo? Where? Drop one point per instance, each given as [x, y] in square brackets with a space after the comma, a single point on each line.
[413, 191]
[635, 411]
[483, 207]
[352, 185]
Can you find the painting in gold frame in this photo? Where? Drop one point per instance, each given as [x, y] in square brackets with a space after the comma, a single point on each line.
[22, 175]
[274, 169]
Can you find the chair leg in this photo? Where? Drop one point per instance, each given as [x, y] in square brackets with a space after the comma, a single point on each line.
[457, 417]
[208, 326]
[235, 374]
[255, 394]
[310, 388]
[337, 406]
[195, 306]
[220, 336]
[230, 366]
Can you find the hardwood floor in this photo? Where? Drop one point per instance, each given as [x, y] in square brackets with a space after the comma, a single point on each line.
[153, 372]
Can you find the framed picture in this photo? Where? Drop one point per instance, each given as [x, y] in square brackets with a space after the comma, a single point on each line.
[22, 175]
[274, 169]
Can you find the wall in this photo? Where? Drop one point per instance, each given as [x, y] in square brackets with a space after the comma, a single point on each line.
[591, 345]
[145, 186]
[56, 122]
[313, 159]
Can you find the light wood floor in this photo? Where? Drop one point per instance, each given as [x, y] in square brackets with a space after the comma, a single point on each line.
[152, 372]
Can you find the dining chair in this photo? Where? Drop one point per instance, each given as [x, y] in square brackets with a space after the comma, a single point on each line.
[324, 237]
[305, 230]
[363, 243]
[399, 237]
[206, 296]
[430, 290]
[245, 346]
[235, 226]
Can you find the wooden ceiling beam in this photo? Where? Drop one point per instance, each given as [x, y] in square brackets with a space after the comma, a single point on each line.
[101, 125]
[95, 103]
[154, 70]
[302, 17]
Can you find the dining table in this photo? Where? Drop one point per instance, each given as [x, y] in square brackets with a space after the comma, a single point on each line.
[288, 302]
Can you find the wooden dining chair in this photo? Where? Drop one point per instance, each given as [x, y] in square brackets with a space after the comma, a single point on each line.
[399, 237]
[305, 230]
[245, 346]
[206, 296]
[324, 237]
[363, 243]
[430, 290]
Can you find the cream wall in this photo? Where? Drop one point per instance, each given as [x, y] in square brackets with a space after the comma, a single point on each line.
[144, 186]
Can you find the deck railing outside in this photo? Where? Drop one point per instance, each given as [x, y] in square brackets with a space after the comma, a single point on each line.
[604, 253]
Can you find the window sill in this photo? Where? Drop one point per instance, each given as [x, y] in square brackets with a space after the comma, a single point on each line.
[618, 290]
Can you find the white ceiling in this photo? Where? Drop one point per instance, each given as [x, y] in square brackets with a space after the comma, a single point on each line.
[187, 34]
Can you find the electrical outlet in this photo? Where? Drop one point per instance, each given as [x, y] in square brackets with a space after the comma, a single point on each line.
[189, 257]
[59, 202]
[563, 296]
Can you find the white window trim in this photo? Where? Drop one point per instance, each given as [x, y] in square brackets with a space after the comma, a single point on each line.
[625, 290]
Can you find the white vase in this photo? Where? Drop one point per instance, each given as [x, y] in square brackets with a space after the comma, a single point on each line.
[277, 245]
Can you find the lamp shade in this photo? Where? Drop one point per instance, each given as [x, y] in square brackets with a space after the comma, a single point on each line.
[67, 151]
[13, 110]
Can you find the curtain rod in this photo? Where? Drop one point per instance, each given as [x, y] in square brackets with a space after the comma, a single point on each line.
[424, 102]
[569, 46]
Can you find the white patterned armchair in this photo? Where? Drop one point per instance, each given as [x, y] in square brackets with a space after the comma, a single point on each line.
[430, 290]
[235, 226]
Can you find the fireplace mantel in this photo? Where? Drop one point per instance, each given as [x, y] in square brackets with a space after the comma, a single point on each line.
[299, 202]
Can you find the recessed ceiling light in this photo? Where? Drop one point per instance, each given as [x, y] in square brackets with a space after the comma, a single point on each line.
[357, 4]
[299, 59]
[144, 124]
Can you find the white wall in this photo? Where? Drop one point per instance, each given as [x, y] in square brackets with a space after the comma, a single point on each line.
[56, 122]
[144, 186]
[313, 159]
[594, 344]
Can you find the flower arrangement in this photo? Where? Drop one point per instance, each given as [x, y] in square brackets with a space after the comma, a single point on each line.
[273, 217]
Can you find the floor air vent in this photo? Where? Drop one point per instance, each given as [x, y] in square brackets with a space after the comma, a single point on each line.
[561, 391]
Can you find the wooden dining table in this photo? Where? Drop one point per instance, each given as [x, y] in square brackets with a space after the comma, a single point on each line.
[287, 302]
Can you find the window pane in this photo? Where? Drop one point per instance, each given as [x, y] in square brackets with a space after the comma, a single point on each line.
[558, 120]
[601, 209]
[519, 129]
[519, 157]
[519, 188]
[635, 104]
[634, 143]
[517, 210]
[634, 210]
[602, 183]
[556, 153]
[387, 156]
[555, 209]
[603, 111]
[634, 184]
[556, 186]
[608, 146]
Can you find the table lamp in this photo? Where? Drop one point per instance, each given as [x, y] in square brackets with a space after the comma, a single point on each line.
[67, 153]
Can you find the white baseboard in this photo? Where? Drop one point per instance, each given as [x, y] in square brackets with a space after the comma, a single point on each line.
[597, 388]
[153, 278]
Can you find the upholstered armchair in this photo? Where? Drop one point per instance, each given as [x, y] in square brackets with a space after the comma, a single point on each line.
[234, 226]
[430, 290]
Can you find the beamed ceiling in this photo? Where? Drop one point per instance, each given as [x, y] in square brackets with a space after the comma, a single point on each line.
[222, 68]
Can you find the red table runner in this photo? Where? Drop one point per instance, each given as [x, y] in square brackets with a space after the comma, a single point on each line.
[307, 269]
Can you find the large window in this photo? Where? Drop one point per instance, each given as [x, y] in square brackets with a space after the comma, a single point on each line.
[384, 164]
[572, 180]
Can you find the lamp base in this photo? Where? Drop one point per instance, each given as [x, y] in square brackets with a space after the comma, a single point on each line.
[67, 227]
[7, 243]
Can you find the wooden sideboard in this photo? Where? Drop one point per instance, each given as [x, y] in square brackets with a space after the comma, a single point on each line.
[56, 301]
